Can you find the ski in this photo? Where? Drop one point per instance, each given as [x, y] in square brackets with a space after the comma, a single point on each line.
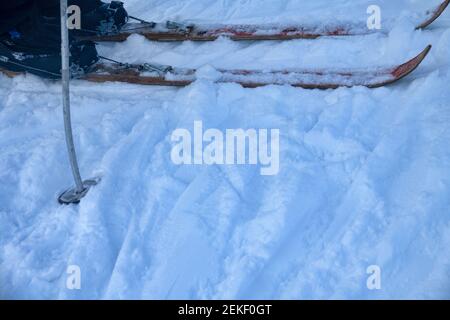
[149, 74]
[160, 75]
[173, 31]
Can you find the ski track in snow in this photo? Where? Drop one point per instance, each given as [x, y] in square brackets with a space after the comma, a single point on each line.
[364, 177]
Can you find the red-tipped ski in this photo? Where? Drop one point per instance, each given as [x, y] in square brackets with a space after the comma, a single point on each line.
[434, 14]
[176, 32]
[309, 79]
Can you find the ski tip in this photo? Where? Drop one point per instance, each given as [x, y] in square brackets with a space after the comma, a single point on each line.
[408, 67]
[424, 53]
[428, 48]
[436, 13]
[421, 56]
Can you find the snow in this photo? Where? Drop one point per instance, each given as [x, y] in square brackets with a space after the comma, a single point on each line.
[364, 174]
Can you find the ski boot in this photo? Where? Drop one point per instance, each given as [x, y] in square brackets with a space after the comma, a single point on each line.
[35, 47]
[107, 18]
[97, 17]
[47, 63]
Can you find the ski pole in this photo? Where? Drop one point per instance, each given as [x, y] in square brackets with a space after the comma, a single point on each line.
[74, 195]
[65, 72]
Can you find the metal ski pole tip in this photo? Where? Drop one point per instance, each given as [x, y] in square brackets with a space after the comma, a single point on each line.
[73, 196]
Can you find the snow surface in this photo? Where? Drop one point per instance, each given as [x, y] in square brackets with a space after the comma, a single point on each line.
[364, 174]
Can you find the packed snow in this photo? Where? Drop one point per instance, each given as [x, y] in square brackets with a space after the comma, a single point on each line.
[364, 177]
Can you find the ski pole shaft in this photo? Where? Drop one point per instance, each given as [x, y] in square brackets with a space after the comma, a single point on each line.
[65, 73]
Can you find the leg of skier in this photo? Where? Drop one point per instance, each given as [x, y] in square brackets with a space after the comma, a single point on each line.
[29, 43]
[101, 18]
[97, 17]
